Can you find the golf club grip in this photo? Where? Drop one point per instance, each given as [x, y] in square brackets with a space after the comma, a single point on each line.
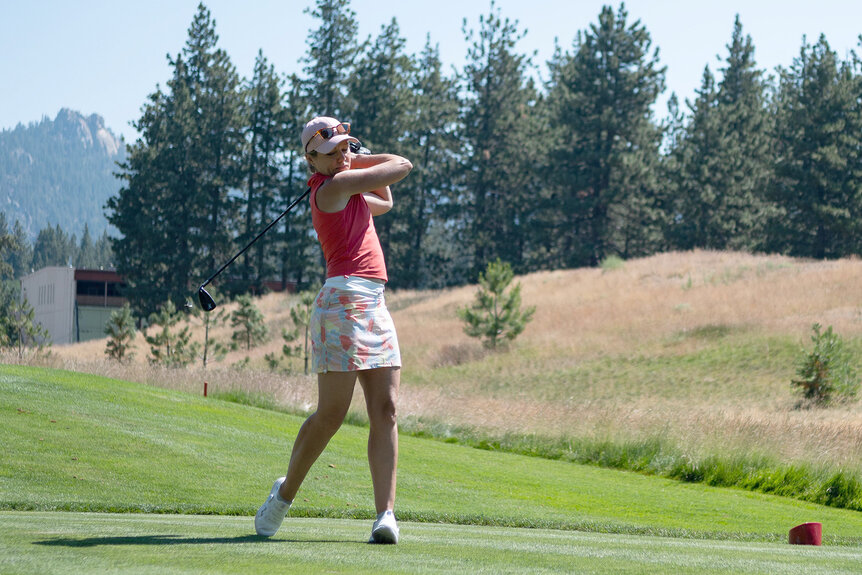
[251, 243]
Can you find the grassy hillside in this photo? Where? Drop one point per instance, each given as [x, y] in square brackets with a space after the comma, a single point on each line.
[75, 442]
[691, 352]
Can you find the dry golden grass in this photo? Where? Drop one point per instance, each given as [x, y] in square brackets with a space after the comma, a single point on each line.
[587, 318]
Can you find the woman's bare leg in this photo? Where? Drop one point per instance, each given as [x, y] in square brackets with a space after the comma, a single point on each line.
[381, 395]
[335, 390]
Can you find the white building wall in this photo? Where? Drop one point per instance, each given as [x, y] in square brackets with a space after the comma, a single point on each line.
[92, 321]
[51, 293]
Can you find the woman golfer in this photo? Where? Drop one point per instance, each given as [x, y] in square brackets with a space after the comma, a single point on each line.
[353, 336]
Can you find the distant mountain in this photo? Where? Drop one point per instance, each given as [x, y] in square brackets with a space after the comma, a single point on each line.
[59, 172]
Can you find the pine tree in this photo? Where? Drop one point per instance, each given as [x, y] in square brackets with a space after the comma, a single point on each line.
[329, 63]
[299, 253]
[216, 139]
[20, 257]
[827, 372]
[266, 140]
[174, 213]
[104, 251]
[301, 316]
[496, 315]
[212, 349]
[331, 52]
[22, 331]
[818, 180]
[8, 244]
[380, 110]
[120, 330]
[86, 256]
[745, 151]
[498, 118]
[53, 247]
[430, 258]
[154, 209]
[696, 159]
[170, 346]
[380, 90]
[606, 145]
[251, 327]
[9, 289]
[10, 295]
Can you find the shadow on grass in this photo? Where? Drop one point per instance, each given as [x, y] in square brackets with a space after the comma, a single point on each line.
[175, 540]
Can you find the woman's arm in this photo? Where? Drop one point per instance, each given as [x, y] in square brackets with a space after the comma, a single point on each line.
[367, 174]
[379, 201]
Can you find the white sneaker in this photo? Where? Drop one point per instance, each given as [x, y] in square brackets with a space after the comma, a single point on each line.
[385, 529]
[271, 513]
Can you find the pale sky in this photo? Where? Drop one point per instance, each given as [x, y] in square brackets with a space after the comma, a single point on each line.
[106, 56]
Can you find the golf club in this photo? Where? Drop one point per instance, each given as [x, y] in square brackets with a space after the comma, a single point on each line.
[206, 300]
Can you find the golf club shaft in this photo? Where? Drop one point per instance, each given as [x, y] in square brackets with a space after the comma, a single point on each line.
[251, 243]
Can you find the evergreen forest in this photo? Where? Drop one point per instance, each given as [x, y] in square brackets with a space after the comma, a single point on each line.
[543, 165]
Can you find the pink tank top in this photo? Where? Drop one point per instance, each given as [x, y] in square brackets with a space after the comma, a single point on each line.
[348, 238]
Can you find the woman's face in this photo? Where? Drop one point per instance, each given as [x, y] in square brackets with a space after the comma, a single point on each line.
[338, 160]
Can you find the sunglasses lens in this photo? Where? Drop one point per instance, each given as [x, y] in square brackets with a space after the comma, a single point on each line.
[328, 133]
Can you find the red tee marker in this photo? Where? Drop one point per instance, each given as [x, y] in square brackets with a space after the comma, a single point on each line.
[806, 534]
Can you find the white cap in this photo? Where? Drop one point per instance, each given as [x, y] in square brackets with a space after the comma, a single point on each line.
[312, 140]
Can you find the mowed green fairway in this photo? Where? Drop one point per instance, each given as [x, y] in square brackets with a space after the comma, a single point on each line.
[76, 442]
[97, 543]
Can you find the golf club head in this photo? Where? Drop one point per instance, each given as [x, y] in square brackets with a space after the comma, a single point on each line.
[358, 148]
[207, 301]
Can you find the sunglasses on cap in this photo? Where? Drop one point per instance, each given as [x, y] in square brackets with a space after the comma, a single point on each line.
[331, 132]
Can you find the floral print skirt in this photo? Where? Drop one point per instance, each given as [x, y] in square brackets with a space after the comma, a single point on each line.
[350, 327]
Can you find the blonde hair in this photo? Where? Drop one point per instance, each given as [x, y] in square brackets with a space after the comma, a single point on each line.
[311, 167]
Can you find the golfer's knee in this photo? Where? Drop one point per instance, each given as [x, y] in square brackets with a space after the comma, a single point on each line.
[383, 413]
[329, 421]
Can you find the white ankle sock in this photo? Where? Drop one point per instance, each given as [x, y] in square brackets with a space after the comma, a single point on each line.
[280, 499]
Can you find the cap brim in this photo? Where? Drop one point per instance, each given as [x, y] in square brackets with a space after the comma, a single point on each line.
[330, 144]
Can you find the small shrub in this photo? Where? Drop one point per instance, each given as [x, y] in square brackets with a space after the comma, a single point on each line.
[496, 315]
[21, 330]
[826, 373]
[169, 346]
[612, 263]
[301, 316]
[686, 470]
[120, 330]
[212, 350]
[251, 327]
[459, 354]
[295, 345]
[712, 331]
